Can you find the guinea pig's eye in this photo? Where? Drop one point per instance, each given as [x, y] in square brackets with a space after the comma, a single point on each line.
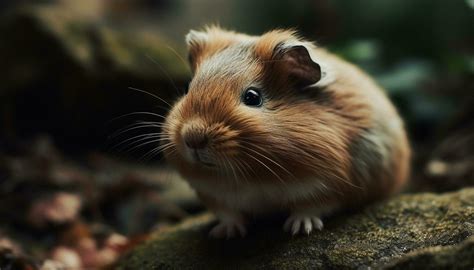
[252, 97]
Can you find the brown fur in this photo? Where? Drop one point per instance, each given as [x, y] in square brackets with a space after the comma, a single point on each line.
[201, 49]
[315, 134]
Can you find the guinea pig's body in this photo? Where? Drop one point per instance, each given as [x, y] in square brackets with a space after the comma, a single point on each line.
[272, 123]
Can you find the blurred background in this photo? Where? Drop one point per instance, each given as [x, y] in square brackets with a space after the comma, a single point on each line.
[76, 190]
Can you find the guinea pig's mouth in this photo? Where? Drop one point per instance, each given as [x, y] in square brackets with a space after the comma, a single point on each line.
[200, 158]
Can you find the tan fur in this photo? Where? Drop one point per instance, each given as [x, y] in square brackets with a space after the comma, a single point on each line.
[339, 144]
[200, 49]
[267, 42]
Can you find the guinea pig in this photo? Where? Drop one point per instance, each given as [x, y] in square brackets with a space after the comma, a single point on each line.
[275, 124]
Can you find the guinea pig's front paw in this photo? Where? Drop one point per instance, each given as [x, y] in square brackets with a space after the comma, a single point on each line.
[229, 228]
[302, 223]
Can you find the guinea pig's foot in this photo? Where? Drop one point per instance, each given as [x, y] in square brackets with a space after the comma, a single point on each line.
[298, 223]
[229, 228]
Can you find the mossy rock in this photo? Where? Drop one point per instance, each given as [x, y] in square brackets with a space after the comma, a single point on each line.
[408, 231]
[42, 40]
[81, 70]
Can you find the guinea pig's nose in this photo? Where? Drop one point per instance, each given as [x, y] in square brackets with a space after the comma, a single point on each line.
[196, 140]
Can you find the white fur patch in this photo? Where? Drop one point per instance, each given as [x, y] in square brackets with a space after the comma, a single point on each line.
[196, 37]
[261, 197]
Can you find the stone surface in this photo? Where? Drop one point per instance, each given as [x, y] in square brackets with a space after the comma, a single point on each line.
[458, 256]
[407, 231]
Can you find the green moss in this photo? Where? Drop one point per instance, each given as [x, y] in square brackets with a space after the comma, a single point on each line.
[375, 236]
[441, 257]
[97, 48]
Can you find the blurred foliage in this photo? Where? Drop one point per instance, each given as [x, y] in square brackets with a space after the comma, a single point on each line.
[421, 52]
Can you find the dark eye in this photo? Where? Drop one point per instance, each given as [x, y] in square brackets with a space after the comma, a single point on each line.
[252, 97]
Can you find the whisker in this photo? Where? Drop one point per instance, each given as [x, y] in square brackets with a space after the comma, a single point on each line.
[245, 167]
[139, 137]
[241, 170]
[233, 171]
[222, 162]
[228, 170]
[142, 123]
[332, 176]
[173, 151]
[153, 95]
[151, 154]
[162, 107]
[159, 150]
[135, 113]
[252, 170]
[134, 126]
[165, 73]
[271, 160]
[181, 58]
[264, 165]
[302, 152]
[145, 143]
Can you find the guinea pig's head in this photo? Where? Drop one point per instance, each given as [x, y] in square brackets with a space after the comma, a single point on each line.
[251, 111]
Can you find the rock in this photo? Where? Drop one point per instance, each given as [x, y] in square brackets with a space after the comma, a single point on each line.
[407, 231]
[92, 48]
[69, 75]
[442, 257]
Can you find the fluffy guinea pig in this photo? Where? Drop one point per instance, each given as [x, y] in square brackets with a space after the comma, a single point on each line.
[275, 124]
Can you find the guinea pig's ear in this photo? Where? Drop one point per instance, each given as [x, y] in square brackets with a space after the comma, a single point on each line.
[195, 41]
[297, 63]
